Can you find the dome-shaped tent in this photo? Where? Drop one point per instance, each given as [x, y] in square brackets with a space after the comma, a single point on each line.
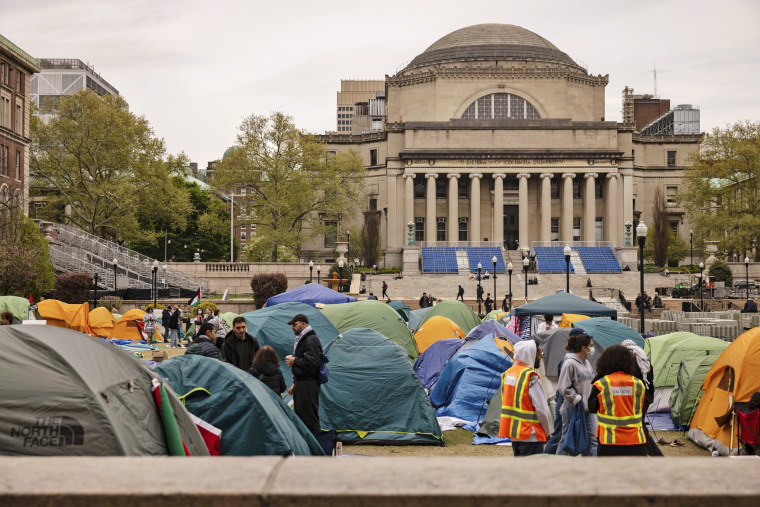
[437, 328]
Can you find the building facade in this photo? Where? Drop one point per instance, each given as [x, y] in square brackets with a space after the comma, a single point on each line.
[494, 134]
[16, 68]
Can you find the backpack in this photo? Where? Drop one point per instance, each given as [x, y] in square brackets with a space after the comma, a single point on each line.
[324, 372]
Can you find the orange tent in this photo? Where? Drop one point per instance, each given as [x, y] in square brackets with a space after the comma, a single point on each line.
[57, 313]
[736, 373]
[126, 328]
[569, 318]
[101, 321]
[434, 329]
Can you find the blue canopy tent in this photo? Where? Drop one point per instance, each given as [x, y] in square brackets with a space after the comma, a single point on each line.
[311, 294]
[429, 365]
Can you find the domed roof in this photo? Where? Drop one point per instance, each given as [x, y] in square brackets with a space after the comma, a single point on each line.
[491, 42]
[229, 151]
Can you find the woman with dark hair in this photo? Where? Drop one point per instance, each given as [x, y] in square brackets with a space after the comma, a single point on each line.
[266, 368]
[617, 397]
[574, 385]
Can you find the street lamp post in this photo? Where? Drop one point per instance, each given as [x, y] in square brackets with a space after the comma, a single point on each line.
[319, 269]
[525, 275]
[509, 270]
[155, 284]
[746, 274]
[480, 268]
[701, 286]
[340, 276]
[348, 246]
[167, 242]
[567, 268]
[115, 265]
[493, 261]
[311, 270]
[691, 250]
[641, 233]
[164, 279]
[95, 301]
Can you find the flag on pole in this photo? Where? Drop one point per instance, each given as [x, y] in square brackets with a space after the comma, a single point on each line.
[176, 446]
[31, 299]
[196, 300]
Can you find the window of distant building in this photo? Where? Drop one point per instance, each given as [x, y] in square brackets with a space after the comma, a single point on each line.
[671, 195]
[674, 227]
[331, 235]
[576, 188]
[599, 228]
[18, 165]
[19, 115]
[242, 236]
[576, 228]
[373, 204]
[441, 187]
[419, 228]
[463, 228]
[440, 231]
[500, 106]
[464, 187]
[555, 188]
[555, 229]
[373, 157]
[419, 186]
[671, 159]
[598, 188]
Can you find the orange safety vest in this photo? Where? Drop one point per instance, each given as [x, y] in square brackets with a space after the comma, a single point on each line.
[518, 415]
[621, 403]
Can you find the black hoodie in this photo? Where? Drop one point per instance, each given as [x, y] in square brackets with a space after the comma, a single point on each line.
[271, 375]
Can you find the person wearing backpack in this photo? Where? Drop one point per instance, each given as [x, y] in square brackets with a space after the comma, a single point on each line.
[266, 368]
[305, 363]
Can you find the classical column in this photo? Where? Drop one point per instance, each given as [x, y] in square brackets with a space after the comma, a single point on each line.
[498, 208]
[566, 227]
[392, 232]
[453, 207]
[430, 207]
[475, 207]
[589, 208]
[627, 195]
[614, 224]
[546, 208]
[523, 211]
[409, 198]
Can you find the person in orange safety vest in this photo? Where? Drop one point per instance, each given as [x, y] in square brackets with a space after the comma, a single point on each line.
[525, 415]
[617, 397]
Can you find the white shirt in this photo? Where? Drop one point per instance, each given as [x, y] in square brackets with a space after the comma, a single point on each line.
[542, 327]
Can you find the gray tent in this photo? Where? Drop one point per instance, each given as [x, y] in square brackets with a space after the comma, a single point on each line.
[63, 393]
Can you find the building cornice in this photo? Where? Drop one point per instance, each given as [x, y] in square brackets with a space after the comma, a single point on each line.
[541, 154]
[668, 139]
[446, 72]
[515, 124]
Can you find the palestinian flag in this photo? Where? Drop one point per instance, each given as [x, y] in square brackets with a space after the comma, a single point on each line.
[171, 430]
[31, 299]
[195, 301]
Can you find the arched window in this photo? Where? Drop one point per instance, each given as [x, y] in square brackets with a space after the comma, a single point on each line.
[500, 106]
[4, 194]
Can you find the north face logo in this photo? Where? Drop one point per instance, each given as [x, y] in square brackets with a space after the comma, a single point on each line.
[51, 432]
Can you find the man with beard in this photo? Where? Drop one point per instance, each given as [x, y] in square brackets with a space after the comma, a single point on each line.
[305, 363]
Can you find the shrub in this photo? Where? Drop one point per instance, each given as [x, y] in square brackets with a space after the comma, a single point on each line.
[266, 285]
[109, 301]
[721, 273]
[207, 304]
[158, 306]
[73, 288]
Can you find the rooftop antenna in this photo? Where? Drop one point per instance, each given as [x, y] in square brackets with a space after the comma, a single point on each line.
[654, 72]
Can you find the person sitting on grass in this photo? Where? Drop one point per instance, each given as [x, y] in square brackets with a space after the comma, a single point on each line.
[266, 368]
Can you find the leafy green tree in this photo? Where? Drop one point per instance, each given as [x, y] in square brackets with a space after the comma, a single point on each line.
[290, 179]
[24, 255]
[660, 229]
[257, 249]
[106, 167]
[721, 273]
[678, 248]
[721, 188]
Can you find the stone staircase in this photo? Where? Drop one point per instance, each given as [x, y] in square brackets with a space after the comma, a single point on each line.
[577, 263]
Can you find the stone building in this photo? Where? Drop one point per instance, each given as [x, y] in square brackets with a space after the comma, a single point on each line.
[16, 67]
[493, 134]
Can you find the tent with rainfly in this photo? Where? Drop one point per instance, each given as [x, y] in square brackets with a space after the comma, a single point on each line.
[311, 294]
[19, 307]
[63, 393]
[102, 321]
[373, 315]
[684, 398]
[461, 314]
[437, 328]
[401, 308]
[127, 328]
[470, 379]
[254, 421]
[733, 377]
[373, 396]
[70, 316]
[270, 327]
[430, 364]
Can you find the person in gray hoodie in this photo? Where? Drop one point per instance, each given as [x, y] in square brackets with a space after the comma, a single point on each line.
[574, 385]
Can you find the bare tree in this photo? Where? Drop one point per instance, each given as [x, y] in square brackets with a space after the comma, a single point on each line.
[660, 229]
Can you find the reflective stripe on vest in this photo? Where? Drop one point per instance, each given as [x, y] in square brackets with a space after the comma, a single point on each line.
[620, 423]
[518, 416]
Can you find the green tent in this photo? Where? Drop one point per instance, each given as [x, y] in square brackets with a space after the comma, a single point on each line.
[416, 316]
[685, 397]
[460, 313]
[270, 327]
[401, 308]
[373, 315]
[668, 358]
[562, 302]
[64, 393]
[254, 421]
[19, 307]
[228, 317]
[608, 332]
[654, 345]
[373, 395]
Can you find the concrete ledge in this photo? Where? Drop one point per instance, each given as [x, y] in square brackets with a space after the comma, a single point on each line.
[350, 481]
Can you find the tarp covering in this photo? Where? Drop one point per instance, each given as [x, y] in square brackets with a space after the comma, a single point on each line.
[401, 308]
[373, 315]
[19, 307]
[101, 321]
[668, 358]
[254, 421]
[683, 399]
[270, 327]
[437, 328]
[416, 316]
[460, 313]
[569, 318]
[562, 302]
[429, 365]
[126, 327]
[63, 393]
[373, 396]
[470, 378]
[740, 362]
[492, 327]
[311, 294]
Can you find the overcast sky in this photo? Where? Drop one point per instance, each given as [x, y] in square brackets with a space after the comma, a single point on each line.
[195, 68]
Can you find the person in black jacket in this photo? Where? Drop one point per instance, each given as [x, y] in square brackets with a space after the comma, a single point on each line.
[165, 316]
[239, 348]
[266, 368]
[305, 362]
[205, 342]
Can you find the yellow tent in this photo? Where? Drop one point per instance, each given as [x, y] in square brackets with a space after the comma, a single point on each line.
[736, 373]
[434, 329]
[569, 318]
[126, 328]
[101, 321]
[57, 313]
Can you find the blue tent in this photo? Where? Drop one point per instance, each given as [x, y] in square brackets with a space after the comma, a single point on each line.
[416, 316]
[607, 333]
[311, 293]
[270, 327]
[254, 421]
[429, 365]
[372, 395]
[401, 308]
[491, 327]
[470, 379]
